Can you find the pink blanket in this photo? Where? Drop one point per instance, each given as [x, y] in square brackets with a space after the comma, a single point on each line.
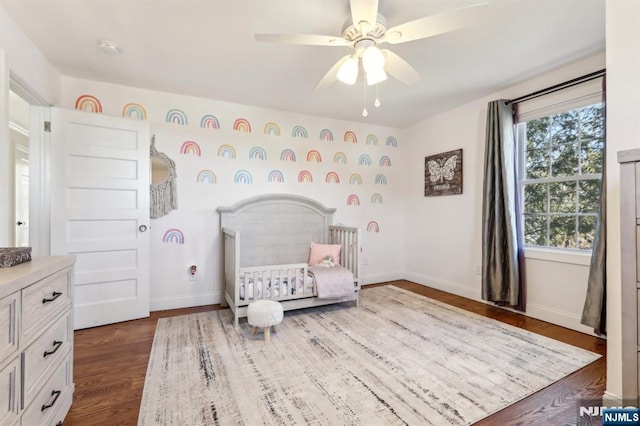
[333, 283]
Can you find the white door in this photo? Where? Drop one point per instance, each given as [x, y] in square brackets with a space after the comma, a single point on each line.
[22, 196]
[100, 212]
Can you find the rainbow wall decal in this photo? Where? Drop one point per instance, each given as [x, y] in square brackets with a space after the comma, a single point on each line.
[314, 156]
[326, 135]
[258, 153]
[176, 116]
[340, 158]
[305, 176]
[135, 111]
[355, 179]
[88, 103]
[332, 177]
[364, 160]
[275, 176]
[206, 176]
[272, 128]
[381, 179]
[242, 125]
[349, 136]
[372, 140]
[353, 200]
[173, 235]
[392, 141]
[385, 161]
[376, 198]
[190, 147]
[288, 155]
[227, 151]
[373, 226]
[243, 176]
[299, 132]
[209, 121]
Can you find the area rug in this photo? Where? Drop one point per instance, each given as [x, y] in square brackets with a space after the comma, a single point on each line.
[400, 358]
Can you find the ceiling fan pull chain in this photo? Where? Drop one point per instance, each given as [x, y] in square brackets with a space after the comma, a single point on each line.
[364, 86]
[377, 102]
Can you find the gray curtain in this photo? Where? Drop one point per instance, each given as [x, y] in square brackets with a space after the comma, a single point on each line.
[501, 281]
[594, 313]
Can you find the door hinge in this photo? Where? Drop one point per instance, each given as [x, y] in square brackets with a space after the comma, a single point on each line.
[47, 126]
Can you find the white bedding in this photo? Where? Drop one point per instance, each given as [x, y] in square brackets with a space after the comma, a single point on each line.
[256, 282]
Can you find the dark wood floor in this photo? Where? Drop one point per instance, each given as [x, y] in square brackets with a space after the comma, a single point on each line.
[111, 362]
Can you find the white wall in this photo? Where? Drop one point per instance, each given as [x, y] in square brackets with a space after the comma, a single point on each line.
[623, 132]
[443, 239]
[20, 59]
[197, 202]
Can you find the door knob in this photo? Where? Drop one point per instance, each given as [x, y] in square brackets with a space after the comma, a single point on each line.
[142, 228]
[21, 223]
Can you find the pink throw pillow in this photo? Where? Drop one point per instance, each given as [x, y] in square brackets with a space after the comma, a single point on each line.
[319, 251]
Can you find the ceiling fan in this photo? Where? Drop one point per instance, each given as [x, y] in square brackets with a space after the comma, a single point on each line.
[366, 30]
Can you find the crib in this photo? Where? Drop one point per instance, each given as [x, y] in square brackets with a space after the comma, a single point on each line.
[265, 246]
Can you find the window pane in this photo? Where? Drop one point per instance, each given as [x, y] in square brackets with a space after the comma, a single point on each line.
[591, 156]
[564, 159]
[537, 163]
[562, 197]
[589, 199]
[562, 231]
[535, 230]
[538, 133]
[591, 122]
[586, 231]
[535, 198]
[564, 128]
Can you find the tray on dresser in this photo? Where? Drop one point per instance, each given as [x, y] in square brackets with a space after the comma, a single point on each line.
[11, 256]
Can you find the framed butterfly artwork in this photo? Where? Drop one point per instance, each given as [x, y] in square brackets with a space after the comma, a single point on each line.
[443, 173]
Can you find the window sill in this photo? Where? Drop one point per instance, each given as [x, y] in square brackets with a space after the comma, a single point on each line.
[574, 257]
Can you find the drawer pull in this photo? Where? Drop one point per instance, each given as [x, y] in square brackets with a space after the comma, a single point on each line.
[55, 394]
[54, 296]
[56, 346]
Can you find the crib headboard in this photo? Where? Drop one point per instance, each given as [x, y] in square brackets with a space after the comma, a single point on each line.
[276, 228]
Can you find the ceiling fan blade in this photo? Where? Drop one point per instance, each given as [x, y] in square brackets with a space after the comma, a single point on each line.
[434, 25]
[331, 76]
[364, 11]
[399, 68]
[305, 39]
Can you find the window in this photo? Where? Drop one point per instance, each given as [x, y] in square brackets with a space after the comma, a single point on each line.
[560, 157]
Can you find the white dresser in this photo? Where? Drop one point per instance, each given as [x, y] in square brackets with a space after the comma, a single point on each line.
[630, 258]
[36, 341]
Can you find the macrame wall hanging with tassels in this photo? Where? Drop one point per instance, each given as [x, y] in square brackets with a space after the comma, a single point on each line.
[164, 193]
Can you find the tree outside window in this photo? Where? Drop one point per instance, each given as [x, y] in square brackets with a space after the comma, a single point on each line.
[560, 164]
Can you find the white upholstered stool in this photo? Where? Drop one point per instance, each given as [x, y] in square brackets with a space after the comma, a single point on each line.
[264, 314]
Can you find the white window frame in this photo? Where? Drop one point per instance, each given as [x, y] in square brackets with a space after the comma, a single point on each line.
[576, 97]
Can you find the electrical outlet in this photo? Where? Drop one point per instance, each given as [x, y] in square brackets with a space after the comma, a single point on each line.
[193, 273]
[478, 270]
[365, 261]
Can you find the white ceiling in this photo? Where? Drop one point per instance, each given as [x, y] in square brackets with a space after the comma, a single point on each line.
[206, 48]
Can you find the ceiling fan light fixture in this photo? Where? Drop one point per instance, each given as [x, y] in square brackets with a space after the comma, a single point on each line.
[376, 76]
[348, 72]
[373, 59]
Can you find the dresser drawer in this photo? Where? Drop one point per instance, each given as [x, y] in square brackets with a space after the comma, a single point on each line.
[44, 408]
[44, 354]
[44, 300]
[10, 392]
[9, 314]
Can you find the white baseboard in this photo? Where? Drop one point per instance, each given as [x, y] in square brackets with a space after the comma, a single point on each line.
[444, 285]
[164, 303]
[381, 278]
[541, 312]
[611, 400]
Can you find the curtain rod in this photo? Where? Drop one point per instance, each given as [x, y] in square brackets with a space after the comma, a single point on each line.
[557, 87]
